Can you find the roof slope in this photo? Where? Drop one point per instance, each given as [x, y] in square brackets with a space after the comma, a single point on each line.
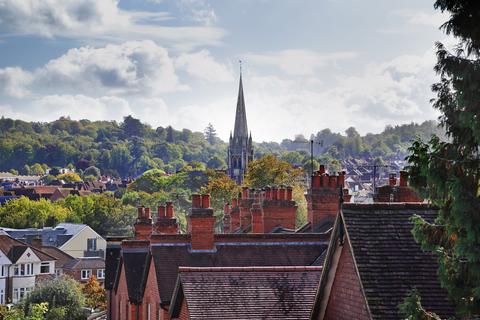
[136, 263]
[389, 261]
[168, 258]
[248, 293]
[14, 249]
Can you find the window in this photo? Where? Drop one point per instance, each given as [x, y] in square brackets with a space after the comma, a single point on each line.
[92, 244]
[86, 273]
[20, 293]
[58, 272]
[2, 296]
[45, 267]
[149, 314]
[101, 274]
[4, 271]
[23, 269]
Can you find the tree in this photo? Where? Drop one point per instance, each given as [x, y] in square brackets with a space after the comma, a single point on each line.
[62, 293]
[269, 170]
[26, 213]
[448, 172]
[95, 297]
[92, 171]
[36, 312]
[69, 177]
[133, 127]
[221, 188]
[216, 163]
[413, 310]
[210, 134]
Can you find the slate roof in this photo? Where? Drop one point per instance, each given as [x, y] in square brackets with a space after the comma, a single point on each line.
[168, 257]
[112, 263]
[247, 293]
[390, 262]
[136, 262]
[50, 236]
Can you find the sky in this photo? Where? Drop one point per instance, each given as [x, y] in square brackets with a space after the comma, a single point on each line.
[306, 64]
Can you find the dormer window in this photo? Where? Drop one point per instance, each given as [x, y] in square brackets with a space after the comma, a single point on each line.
[45, 267]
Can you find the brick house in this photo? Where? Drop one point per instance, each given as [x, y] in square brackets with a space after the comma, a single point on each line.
[245, 293]
[373, 262]
[141, 273]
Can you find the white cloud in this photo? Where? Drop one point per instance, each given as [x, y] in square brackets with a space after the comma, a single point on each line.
[435, 19]
[95, 19]
[202, 65]
[198, 10]
[128, 68]
[298, 62]
[13, 82]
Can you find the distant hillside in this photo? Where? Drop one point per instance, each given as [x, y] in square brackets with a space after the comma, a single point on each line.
[131, 147]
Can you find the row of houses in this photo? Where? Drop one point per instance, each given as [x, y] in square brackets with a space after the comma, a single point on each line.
[349, 261]
[28, 256]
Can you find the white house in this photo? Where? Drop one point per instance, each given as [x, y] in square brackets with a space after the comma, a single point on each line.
[21, 266]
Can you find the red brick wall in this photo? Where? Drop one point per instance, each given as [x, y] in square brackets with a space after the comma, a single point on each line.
[202, 231]
[184, 311]
[151, 295]
[278, 215]
[322, 204]
[118, 309]
[346, 300]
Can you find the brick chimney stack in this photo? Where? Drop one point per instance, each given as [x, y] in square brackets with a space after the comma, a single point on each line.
[257, 216]
[166, 222]
[278, 209]
[201, 223]
[396, 193]
[235, 215]
[323, 197]
[226, 218]
[245, 203]
[143, 225]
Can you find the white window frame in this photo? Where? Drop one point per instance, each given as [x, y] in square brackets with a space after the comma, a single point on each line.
[23, 269]
[88, 272]
[45, 264]
[2, 296]
[100, 273]
[4, 271]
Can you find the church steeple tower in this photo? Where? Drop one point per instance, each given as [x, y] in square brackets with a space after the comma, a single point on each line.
[240, 150]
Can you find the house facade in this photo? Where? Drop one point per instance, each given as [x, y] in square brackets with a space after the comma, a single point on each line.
[21, 267]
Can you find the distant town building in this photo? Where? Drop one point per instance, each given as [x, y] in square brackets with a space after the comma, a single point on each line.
[240, 148]
[77, 240]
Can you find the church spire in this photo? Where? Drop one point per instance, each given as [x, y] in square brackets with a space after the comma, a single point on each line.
[240, 129]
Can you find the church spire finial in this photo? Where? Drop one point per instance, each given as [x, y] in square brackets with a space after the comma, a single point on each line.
[240, 63]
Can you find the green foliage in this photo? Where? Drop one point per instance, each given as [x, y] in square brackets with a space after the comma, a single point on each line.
[448, 172]
[92, 171]
[412, 308]
[131, 147]
[61, 292]
[269, 170]
[36, 312]
[24, 213]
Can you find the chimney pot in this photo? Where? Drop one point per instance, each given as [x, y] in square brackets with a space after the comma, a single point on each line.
[322, 169]
[392, 179]
[205, 201]
[161, 211]
[245, 193]
[274, 193]
[196, 200]
[140, 212]
[148, 213]
[289, 193]
[268, 193]
[234, 202]
[169, 213]
[403, 178]
[281, 193]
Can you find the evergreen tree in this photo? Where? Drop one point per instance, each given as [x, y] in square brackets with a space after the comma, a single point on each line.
[448, 173]
[210, 134]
